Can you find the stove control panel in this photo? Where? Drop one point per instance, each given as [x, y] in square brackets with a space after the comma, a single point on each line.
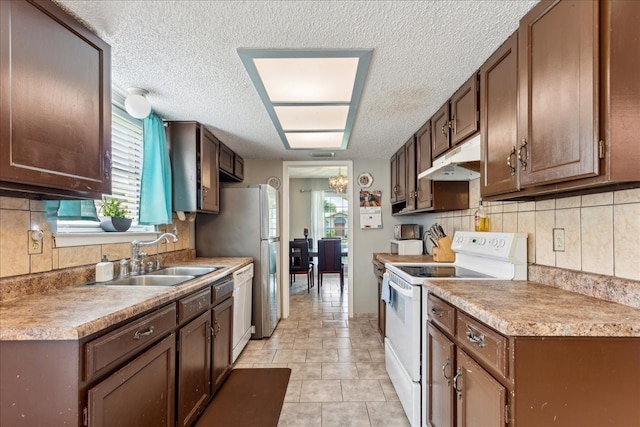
[504, 246]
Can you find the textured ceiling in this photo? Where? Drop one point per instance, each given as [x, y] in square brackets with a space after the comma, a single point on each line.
[185, 54]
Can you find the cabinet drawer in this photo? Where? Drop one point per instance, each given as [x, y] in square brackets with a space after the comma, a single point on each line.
[221, 290]
[442, 314]
[483, 342]
[115, 347]
[193, 304]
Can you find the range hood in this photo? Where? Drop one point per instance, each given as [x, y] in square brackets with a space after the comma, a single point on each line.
[460, 164]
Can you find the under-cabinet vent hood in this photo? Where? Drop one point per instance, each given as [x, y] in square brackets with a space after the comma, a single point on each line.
[460, 164]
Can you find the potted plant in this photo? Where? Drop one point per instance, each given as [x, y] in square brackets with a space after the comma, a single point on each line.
[115, 215]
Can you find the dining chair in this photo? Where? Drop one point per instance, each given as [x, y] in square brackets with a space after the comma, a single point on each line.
[330, 260]
[302, 239]
[299, 262]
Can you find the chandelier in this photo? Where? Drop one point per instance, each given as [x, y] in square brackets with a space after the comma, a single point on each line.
[338, 182]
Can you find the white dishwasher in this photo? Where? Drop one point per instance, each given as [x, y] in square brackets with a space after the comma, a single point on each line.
[242, 295]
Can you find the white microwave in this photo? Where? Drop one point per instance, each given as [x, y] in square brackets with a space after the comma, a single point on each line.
[406, 247]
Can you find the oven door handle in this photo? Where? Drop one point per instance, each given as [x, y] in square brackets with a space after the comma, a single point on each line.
[404, 292]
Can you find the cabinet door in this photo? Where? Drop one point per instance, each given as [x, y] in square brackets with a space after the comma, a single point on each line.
[558, 105]
[209, 185]
[222, 342]
[139, 394]
[464, 111]
[440, 363]
[481, 400]
[423, 162]
[382, 310]
[402, 174]
[440, 131]
[238, 168]
[394, 178]
[226, 159]
[410, 173]
[55, 103]
[194, 368]
[499, 134]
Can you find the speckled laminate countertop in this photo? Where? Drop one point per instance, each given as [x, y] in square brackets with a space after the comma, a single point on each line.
[77, 311]
[387, 257]
[525, 308]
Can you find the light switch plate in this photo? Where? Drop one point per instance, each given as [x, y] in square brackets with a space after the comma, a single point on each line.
[558, 239]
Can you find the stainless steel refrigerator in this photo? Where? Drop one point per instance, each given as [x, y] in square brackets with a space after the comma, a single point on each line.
[247, 225]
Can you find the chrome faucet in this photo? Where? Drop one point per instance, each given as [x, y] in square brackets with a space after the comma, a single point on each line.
[136, 245]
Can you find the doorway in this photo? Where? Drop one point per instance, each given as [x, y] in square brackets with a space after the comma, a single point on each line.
[313, 169]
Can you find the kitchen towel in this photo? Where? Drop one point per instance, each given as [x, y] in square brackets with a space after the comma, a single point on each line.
[155, 191]
[385, 295]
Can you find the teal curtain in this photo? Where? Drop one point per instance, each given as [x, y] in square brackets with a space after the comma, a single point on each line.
[155, 192]
[70, 210]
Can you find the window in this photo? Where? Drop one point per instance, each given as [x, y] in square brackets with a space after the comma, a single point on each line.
[126, 157]
[336, 212]
[126, 173]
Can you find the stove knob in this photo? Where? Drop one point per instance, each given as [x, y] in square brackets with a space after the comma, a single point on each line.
[501, 243]
[482, 241]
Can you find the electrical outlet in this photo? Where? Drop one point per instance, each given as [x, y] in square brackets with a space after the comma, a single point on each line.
[558, 239]
[35, 245]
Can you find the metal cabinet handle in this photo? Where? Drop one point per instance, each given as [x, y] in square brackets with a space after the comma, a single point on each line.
[512, 165]
[438, 313]
[444, 371]
[444, 132]
[139, 335]
[455, 383]
[452, 124]
[475, 337]
[205, 191]
[523, 153]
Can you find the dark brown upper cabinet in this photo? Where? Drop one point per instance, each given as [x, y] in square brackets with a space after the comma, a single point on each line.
[55, 104]
[499, 120]
[411, 174]
[194, 167]
[423, 162]
[398, 176]
[576, 125]
[231, 165]
[558, 109]
[457, 119]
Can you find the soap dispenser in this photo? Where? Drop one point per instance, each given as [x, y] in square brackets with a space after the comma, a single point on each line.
[104, 270]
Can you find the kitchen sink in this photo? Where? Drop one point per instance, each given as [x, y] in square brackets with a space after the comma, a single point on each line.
[191, 270]
[149, 280]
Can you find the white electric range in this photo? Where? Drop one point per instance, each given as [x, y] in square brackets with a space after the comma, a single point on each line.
[479, 256]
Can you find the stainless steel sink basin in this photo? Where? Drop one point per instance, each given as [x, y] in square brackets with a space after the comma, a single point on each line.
[191, 270]
[150, 280]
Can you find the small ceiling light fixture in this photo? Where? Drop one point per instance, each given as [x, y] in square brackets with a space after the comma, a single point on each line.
[311, 95]
[338, 182]
[137, 104]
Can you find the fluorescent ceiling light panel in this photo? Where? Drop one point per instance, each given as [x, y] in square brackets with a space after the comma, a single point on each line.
[308, 80]
[309, 92]
[308, 140]
[315, 117]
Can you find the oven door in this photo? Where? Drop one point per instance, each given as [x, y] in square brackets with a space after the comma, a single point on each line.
[403, 326]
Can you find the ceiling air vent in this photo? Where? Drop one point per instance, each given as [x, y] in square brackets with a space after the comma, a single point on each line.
[323, 154]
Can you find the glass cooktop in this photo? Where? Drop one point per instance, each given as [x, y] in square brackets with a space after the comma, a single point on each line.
[441, 271]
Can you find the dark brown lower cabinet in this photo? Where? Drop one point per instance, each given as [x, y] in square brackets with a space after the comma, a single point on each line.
[480, 399]
[139, 394]
[441, 370]
[378, 270]
[194, 368]
[477, 376]
[222, 324]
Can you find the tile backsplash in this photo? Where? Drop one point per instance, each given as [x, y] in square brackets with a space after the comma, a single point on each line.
[601, 230]
[17, 216]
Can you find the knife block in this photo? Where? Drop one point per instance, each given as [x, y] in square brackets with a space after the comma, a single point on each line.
[443, 252]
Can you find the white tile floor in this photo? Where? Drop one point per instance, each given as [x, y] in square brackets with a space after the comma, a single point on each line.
[338, 375]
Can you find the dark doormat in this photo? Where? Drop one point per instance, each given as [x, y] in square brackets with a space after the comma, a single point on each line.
[248, 397]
